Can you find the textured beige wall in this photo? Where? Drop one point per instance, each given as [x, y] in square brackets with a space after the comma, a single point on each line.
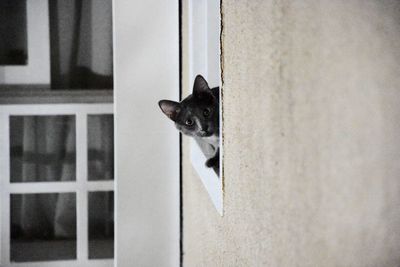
[312, 149]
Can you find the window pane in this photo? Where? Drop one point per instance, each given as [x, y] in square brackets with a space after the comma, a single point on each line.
[42, 148]
[101, 225]
[100, 147]
[43, 227]
[13, 32]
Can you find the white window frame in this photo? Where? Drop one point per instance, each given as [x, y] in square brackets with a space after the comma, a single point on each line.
[37, 70]
[204, 58]
[81, 186]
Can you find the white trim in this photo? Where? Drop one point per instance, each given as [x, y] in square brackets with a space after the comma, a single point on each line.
[61, 187]
[204, 58]
[64, 263]
[190, 39]
[57, 109]
[115, 131]
[82, 194]
[210, 179]
[3, 165]
[4, 195]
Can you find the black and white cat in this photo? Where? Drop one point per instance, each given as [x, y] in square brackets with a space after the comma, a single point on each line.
[198, 116]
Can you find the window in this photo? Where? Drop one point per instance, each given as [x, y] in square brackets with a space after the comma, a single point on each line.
[13, 44]
[204, 56]
[25, 53]
[57, 201]
[57, 134]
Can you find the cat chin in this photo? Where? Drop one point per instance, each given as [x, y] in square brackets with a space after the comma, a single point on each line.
[204, 135]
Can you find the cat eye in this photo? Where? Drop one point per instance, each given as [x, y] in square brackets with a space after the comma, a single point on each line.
[206, 112]
[189, 122]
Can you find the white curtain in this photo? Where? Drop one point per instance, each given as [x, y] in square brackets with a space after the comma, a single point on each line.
[81, 44]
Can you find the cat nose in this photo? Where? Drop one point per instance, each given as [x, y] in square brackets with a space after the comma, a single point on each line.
[203, 132]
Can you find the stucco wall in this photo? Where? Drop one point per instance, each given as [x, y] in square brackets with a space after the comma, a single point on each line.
[312, 149]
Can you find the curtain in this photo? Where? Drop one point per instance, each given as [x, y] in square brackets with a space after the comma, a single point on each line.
[43, 149]
[81, 44]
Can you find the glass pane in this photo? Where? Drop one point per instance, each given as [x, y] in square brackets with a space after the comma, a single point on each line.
[42, 148]
[101, 147]
[101, 225]
[81, 44]
[13, 32]
[43, 227]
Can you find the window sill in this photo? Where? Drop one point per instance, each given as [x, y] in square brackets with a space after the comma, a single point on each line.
[29, 94]
[210, 179]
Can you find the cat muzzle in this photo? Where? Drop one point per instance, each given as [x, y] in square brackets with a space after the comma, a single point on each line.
[205, 133]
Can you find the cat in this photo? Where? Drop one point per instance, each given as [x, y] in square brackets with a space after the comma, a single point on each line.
[198, 116]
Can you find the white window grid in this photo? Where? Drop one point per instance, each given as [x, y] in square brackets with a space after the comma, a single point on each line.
[204, 58]
[81, 186]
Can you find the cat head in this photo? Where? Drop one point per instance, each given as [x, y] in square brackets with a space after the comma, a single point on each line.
[198, 114]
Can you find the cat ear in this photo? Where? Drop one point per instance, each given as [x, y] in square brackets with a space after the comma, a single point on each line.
[170, 108]
[200, 87]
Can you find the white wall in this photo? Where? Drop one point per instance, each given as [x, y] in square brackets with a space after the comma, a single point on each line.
[147, 156]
